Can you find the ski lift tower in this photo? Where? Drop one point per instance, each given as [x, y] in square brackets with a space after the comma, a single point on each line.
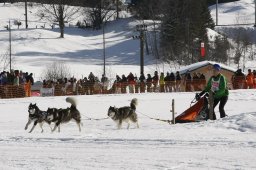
[142, 28]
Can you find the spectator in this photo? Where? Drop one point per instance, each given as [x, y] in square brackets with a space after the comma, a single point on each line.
[91, 81]
[16, 81]
[131, 82]
[28, 84]
[188, 82]
[239, 80]
[123, 84]
[167, 82]
[10, 77]
[178, 82]
[202, 81]
[137, 84]
[155, 81]
[249, 79]
[104, 81]
[196, 82]
[118, 84]
[149, 83]
[172, 82]
[161, 83]
[142, 80]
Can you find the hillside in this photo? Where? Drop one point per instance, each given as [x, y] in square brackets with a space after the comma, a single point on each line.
[82, 49]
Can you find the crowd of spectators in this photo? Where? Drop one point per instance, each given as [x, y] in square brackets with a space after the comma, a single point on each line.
[243, 81]
[15, 83]
[169, 82]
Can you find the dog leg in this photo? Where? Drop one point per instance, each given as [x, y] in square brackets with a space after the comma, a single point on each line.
[41, 126]
[59, 128]
[33, 127]
[128, 124]
[55, 127]
[50, 126]
[79, 126]
[137, 124]
[119, 125]
[29, 121]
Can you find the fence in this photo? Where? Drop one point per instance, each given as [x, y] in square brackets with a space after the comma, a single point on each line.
[10, 91]
[89, 88]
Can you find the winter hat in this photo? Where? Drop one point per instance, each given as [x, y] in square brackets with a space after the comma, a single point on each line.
[217, 67]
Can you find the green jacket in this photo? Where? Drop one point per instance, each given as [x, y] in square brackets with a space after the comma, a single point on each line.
[218, 85]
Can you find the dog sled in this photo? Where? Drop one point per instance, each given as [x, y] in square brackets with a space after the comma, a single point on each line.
[198, 111]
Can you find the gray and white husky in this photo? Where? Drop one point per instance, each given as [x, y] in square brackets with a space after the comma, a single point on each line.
[127, 114]
[59, 116]
[37, 116]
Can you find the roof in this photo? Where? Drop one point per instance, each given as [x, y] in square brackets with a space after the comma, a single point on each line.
[198, 65]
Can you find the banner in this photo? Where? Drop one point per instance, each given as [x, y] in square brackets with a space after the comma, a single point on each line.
[47, 92]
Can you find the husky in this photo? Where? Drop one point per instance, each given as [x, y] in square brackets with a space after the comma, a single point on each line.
[37, 116]
[59, 116]
[127, 114]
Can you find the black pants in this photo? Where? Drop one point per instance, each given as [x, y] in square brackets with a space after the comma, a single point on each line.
[222, 101]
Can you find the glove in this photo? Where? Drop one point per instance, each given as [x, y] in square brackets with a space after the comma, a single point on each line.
[198, 97]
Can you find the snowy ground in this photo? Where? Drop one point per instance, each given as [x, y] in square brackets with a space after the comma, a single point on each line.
[223, 144]
[228, 143]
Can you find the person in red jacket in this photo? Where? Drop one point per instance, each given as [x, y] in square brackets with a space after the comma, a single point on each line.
[250, 79]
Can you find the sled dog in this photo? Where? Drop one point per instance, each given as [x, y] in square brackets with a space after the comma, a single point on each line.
[59, 116]
[37, 116]
[127, 114]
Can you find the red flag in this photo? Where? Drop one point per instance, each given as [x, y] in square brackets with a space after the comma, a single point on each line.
[202, 50]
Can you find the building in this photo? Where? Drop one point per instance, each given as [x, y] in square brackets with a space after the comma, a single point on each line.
[205, 67]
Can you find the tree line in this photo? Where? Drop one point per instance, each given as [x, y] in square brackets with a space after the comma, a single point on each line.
[184, 26]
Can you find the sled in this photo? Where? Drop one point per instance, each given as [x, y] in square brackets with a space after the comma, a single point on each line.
[196, 113]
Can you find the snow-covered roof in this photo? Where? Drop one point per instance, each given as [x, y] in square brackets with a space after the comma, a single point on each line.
[198, 65]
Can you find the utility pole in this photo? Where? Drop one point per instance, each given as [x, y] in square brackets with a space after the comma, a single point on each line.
[10, 42]
[217, 12]
[104, 50]
[104, 43]
[255, 13]
[26, 13]
[141, 28]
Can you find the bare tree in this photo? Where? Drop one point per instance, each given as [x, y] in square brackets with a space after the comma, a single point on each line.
[57, 70]
[4, 60]
[100, 11]
[60, 12]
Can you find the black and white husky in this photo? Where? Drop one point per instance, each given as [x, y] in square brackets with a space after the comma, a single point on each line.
[37, 116]
[127, 114]
[59, 116]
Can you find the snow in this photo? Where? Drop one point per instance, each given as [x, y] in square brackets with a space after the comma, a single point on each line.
[238, 12]
[227, 143]
[194, 66]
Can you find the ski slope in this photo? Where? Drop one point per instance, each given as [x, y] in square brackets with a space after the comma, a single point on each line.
[228, 143]
[82, 50]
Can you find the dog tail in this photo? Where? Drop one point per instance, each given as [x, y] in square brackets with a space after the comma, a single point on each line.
[72, 101]
[134, 103]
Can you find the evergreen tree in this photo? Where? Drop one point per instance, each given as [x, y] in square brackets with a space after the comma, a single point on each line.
[185, 24]
[221, 47]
